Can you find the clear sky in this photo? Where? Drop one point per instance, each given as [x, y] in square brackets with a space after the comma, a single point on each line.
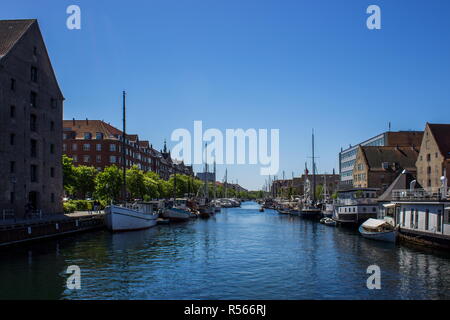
[289, 65]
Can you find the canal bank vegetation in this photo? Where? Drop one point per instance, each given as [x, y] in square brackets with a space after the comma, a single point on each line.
[82, 184]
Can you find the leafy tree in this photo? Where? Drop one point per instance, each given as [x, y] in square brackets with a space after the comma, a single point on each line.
[108, 184]
[69, 175]
[85, 180]
[136, 183]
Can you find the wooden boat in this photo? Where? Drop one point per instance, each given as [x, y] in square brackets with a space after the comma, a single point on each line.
[137, 216]
[310, 212]
[294, 212]
[328, 222]
[380, 230]
[176, 214]
[283, 210]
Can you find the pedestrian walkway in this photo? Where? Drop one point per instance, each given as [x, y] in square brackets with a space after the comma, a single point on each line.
[48, 218]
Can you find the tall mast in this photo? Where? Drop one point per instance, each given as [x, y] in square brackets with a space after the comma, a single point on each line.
[206, 172]
[124, 165]
[214, 179]
[314, 170]
[226, 183]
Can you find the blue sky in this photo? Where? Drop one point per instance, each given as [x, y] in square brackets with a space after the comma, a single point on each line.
[288, 65]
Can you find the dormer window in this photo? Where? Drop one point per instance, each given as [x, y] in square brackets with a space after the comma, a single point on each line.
[87, 136]
[99, 136]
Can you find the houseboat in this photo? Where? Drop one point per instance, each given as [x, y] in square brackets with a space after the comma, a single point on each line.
[354, 206]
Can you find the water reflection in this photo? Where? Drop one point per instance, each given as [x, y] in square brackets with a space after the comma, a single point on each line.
[239, 254]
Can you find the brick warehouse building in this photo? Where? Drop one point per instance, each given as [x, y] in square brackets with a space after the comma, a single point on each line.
[30, 122]
[98, 144]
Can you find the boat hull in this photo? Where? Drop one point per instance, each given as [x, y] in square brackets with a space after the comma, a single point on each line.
[390, 236]
[119, 219]
[310, 214]
[176, 215]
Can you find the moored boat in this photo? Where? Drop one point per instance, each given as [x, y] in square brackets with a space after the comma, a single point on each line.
[176, 214]
[380, 230]
[137, 216]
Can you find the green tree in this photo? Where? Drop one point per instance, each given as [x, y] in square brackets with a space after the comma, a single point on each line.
[85, 181]
[108, 184]
[136, 183]
[69, 175]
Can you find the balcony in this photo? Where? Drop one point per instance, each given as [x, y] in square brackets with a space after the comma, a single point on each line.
[421, 194]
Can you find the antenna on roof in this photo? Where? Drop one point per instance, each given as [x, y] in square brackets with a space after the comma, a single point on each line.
[389, 126]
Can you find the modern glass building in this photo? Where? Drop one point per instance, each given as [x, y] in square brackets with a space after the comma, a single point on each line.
[347, 157]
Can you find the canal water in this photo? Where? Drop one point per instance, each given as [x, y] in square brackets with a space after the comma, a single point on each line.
[238, 254]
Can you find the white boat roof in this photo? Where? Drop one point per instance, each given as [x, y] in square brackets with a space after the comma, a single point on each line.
[374, 223]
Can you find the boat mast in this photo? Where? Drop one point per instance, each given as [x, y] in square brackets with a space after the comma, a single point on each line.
[206, 173]
[124, 165]
[226, 183]
[214, 179]
[314, 170]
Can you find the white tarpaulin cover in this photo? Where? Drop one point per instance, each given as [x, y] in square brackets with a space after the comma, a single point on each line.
[389, 205]
[373, 223]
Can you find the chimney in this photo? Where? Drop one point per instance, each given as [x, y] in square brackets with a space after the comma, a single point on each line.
[73, 121]
[87, 121]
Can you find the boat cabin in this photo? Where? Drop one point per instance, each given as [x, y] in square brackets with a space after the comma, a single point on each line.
[355, 206]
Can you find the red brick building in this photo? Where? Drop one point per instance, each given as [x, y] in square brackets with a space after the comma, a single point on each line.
[97, 144]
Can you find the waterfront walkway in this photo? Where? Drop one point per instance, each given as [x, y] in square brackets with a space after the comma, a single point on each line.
[50, 218]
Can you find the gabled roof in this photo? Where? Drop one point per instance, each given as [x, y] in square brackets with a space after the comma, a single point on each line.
[405, 157]
[10, 32]
[402, 182]
[441, 133]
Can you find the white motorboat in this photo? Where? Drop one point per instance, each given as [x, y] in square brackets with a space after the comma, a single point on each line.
[377, 229]
[137, 216]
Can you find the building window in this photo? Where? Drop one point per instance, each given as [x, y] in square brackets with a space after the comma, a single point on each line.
[87, 136]
[12, 112]
[33, 148]
[99, 147]
[34, 51]
[52, 126]
[53, 103]
[33, 173]
[12, 167]
[13, 84]
[34, 74]
[411, 219]
[86, 159]
[52, 148]
[86, 147]
[404, 217]
[427, 218]
[112, 159]
[99, 136]
[99, 158]
[52, 172]
[112, 147]
[52, 198]
[12, 139]
[439, 221]
[64, 147]
[12, 198]
[75, 158]
[33, 99]
[33, 122]
[416, 219]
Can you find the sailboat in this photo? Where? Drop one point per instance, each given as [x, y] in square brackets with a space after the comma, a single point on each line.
[310, 209]
[178, 212]
[127, 217]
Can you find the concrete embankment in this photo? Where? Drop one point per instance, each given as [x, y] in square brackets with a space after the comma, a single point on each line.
[17, 232]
